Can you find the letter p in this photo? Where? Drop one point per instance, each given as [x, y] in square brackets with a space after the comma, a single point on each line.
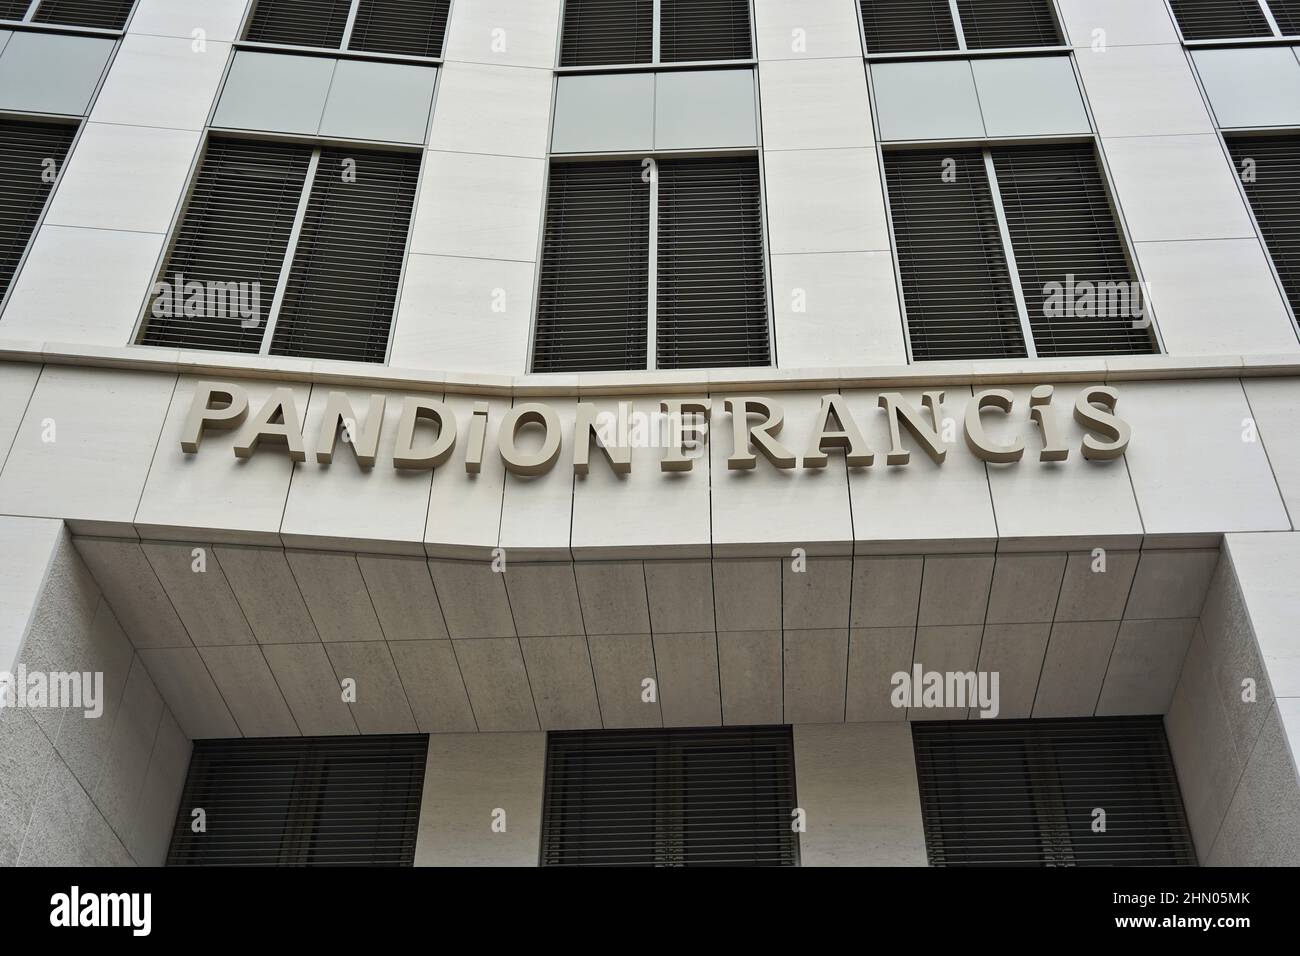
[214, 406]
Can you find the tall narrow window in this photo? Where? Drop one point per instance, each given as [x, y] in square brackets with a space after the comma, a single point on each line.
[708, 797]
[708, 269]
[402, 27]
[287, 249]
[617, 32]
[31, 157]
[919, 26]
[956, 287]
[302, 801]
[1079, 290]
[1269, 168]
[1027, 793]
[1012, 252]
[1222, 19]
[348, 261]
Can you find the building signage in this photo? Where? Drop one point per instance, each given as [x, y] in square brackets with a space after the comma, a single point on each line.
[428, 435]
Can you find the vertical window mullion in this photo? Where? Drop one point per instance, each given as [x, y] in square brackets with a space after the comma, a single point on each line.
[31, 11]
[347, 27]
[656, 33]
[652, 266]
[1009, 251]
[294, 235]
[1268, 15]
[956, 24]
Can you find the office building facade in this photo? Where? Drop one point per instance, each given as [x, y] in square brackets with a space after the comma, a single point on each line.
[782, 432]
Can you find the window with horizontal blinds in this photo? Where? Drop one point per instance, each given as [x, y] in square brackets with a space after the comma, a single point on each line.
[408, 27]
[904, 26]
[1220, 19]
[704, 30]
[675, 797]
[604, 32]
[993, 24]
[29, 152]
[235, 229]
[100, 14]
[13, 9]
[347, 263]
[318, 23]
[1027, 792]
[1269, 168]
[593, 297]
[1064, 236]
[956, 284]
[1287, 15]
[712, 301]
[302, 801]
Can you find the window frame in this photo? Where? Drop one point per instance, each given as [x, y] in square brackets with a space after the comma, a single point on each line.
[1241, 136]
[316, 144]
[79, 124]
[28, 23]
[652, 262]
[986, 145]
[962, 51]
[654, 64]
[1277, 39]
[341, 52]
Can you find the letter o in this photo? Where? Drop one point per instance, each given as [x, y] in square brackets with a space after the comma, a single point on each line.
[534, 463]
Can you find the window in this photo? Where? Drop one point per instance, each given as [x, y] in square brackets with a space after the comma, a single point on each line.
[692, 236]
[1236, 19]
[96, 14]
[1012, 252]
[287, 249]
[401, 27]
[907, 26]
[302, 801]
[31, 155]
[617, 32]
[717, 796]
[1025, 793]
[1269, 168]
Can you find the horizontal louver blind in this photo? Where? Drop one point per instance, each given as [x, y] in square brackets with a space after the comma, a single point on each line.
[992, 24]
[1220, 19]
[956, 286]
[704, 30]
[100, 14]
[721, 797]
[13, 9]
[408, 27]
[1063, 233]
[302, 801]
[1287, 15]
[902, 26]
[318, 23]
[598, 32]
[1273, 187]
[235, 229]
[712, 305]
[342, 287]
[593, 297]
[24, 151]
[1024, 792]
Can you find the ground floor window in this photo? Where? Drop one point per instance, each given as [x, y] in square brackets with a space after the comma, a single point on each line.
[301, 801]
[1080, 792]
[688, 797]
